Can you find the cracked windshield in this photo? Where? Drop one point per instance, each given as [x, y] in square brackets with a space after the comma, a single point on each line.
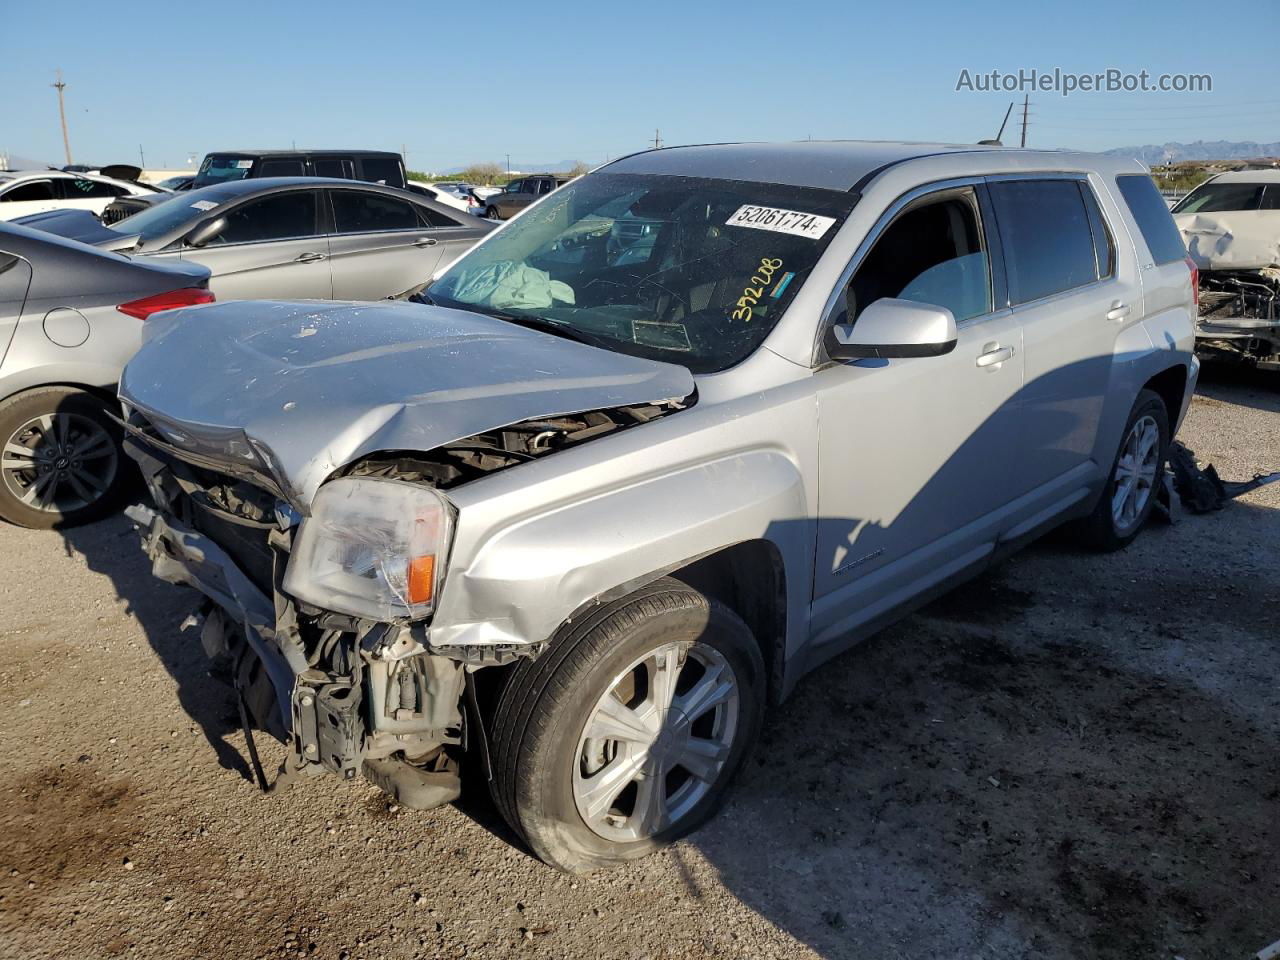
[691, 271]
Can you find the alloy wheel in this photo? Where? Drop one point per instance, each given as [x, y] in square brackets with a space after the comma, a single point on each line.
[1135, 474]
[656, 742]
[59, 462]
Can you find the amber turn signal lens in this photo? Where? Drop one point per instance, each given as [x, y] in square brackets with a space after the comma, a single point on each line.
[422, 572]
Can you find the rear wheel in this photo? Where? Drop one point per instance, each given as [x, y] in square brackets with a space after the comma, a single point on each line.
[492, 213]
[1130, 494]
[60, 463]
[624, 735]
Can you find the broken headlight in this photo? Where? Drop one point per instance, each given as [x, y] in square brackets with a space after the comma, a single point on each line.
[374, 548]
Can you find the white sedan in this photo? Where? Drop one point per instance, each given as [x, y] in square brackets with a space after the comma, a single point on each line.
[37, 191]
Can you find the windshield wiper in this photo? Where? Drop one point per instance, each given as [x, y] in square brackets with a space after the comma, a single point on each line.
[555, 327]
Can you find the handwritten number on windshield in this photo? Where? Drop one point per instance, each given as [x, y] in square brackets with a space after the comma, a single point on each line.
[759, 281]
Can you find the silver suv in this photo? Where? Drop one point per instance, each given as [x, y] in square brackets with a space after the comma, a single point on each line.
[678, 434]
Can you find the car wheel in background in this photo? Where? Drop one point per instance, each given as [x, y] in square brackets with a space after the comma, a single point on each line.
[624, 735]
[61, 462]
[492, 213]
[1136, 475]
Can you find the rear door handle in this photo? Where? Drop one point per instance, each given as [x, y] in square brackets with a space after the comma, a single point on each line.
[425, 242]
[994, 354]
[309, 258]
[1118, 311]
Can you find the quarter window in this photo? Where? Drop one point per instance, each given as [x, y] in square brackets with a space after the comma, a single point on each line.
[1153, 217]
[1048, 241]
[35, 190]
[281, 216]
[357, 212]
[377, 170]
[932, 253]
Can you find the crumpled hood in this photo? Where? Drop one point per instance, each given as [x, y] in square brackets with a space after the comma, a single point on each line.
[79, 225]
[1232, 240]
[296, 390]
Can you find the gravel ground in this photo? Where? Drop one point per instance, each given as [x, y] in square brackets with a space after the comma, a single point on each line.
[1074, 756]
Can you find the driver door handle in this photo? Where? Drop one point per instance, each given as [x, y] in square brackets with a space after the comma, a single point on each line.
[425, 242]
[309, 258]
[995, 354]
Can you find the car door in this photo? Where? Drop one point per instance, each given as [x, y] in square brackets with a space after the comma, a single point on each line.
[916, 454]
[507, 202]
[27, 197]
[381, 245]
[1073, 294]
[272, 247]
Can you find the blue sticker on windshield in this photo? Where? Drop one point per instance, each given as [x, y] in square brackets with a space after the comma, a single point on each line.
[782, 285]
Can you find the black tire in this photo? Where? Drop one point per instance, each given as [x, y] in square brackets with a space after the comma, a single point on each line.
[541, 713]
[82, 410]
[492, 213]
[1100, 530]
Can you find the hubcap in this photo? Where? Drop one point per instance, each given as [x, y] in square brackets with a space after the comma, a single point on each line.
[1135, 476]
[58, 462]
[656, 742]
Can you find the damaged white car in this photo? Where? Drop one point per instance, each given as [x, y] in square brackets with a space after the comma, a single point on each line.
[681, 432]
[1231, 227]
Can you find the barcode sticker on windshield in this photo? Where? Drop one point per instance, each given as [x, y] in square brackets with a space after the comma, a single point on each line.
[780, 221]
[203, 205]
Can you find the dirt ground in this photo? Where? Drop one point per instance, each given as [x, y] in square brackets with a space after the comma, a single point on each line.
[1075, 756]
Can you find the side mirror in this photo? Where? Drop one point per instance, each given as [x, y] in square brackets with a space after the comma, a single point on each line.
[894, 328]
[205, 232]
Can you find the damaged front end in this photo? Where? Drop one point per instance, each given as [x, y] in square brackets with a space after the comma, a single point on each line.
[1237, 253]
[326, 625]
[1240, 316]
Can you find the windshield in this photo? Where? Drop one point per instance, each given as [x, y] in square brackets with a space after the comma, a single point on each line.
[221, 167]
[1220, 197]
[686, 270]
[171, 213]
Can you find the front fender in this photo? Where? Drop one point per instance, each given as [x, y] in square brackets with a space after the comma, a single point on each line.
[530, 576]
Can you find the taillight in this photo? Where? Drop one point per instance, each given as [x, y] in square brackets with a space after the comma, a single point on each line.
[170, 300]
[1195, 283]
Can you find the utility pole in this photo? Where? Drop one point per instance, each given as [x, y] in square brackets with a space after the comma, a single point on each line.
[508, 164]
[142, 160]
[62, 114]
[657, 138]
[1026, 98]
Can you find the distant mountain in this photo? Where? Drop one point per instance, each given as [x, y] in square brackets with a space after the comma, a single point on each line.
[17, 162]
[1200, 150]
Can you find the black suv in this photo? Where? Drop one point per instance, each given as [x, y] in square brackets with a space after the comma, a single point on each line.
[373, 166]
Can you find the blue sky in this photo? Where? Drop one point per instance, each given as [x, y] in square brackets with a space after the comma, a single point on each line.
[591, 80]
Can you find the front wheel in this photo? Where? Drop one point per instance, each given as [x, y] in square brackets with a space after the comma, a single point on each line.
[1132, 488]
[492, 213]
[624, 735]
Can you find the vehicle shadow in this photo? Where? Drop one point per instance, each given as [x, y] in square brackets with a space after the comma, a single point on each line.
[110, 547]
[1041, 763]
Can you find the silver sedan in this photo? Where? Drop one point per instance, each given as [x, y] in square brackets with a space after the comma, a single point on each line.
[291, 237]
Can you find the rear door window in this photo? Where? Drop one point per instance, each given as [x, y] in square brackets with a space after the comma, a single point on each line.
[77, 188]
[281, 168]
[355, 211]
[281, 216]
[1152, 216]
[337, 167]
[1048, 242]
